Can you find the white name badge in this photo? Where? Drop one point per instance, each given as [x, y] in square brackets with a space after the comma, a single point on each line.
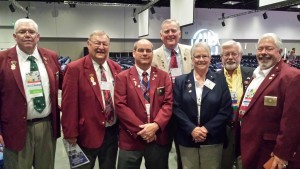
[209, 84]
[34, 84]
[106, 85]
[175, 72]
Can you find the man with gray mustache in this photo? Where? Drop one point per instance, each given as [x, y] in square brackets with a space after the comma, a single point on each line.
[237, 78]
[269, 114]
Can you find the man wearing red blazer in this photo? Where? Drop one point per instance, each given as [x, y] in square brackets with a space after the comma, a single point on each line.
[143, 102]
[22, 122]
[86, 118]
[269, 112]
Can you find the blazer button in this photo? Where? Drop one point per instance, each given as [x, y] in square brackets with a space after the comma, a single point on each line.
[103, 122]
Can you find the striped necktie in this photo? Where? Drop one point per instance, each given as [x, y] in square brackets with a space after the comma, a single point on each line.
[145, 87]
[109, 109]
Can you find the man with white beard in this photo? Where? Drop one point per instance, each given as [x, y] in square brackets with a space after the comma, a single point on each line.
[237, 78]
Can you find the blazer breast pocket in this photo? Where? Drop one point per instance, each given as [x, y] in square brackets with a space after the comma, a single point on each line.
[161, 91]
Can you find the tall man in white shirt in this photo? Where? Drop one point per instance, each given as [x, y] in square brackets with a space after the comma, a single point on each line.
[29, 115]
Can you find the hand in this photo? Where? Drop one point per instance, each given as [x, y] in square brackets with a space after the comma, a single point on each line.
[278, 163]
[2, 141]
[148, 131]
[71, 141]
[199, 134]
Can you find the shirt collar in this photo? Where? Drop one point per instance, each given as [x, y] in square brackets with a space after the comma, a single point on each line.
[237, 71]
[22, 56]
[258, 72]
[140, 71]
[97, 66]
[176, 49]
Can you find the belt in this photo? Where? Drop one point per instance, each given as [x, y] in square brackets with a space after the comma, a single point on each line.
[38, 119]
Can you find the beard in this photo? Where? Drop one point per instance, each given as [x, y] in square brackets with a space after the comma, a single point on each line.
[230, 66]
[265, 61]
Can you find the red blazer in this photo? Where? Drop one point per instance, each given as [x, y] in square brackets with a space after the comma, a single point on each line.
[267, 129]
[82, 106]
[131, 111]
[13, 104]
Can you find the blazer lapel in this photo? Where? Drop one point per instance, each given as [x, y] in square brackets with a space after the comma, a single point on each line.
[184, 56]
[162, 58]
[266, 82]
[45, 58]
[246, 78]
[154, 80]
[15, 68]
[91, 77]
[190, 86]
[135, 80]
[206, 90]
[112, 68]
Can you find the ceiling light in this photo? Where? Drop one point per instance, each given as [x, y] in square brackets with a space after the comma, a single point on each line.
[11, 8]
[231, 2]
[223, 23]
[265, 16]
[152, 10]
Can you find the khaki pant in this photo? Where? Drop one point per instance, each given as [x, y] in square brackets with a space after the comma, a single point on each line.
[39, 149]
[205, 157]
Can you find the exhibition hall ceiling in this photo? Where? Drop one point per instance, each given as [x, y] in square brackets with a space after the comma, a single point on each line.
[224, 4]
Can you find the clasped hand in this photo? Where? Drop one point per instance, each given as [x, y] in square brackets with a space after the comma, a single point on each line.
[148, 132]
[199, 134]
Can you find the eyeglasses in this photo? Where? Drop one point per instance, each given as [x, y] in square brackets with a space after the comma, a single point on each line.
[233, 54]
[23, 32]
[204, 57]
[142, 50]
[98, 43]
[267, 49]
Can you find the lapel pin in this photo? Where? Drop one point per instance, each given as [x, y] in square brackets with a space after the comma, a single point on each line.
[92, 79]
[13, 65]
[138, 86]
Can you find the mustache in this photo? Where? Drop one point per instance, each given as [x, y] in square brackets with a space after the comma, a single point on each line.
[264, 57]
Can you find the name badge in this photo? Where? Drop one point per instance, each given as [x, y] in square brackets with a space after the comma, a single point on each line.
[34, 84]
[270, 101]
[175, 72]
[209, 84]
[106, 85]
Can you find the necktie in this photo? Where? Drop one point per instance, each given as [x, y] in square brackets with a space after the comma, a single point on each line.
[39, 103]
[109, 109]
[173, 60]
[145, 87]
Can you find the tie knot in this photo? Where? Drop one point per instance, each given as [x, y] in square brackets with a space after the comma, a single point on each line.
[31, 58]
[173, 53]
[145, 74]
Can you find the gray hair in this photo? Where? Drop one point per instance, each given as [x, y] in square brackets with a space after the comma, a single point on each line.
[203, 45]
[169, 21]
[273, 36]
[232, 43]
[99, 33]
[25, 20]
